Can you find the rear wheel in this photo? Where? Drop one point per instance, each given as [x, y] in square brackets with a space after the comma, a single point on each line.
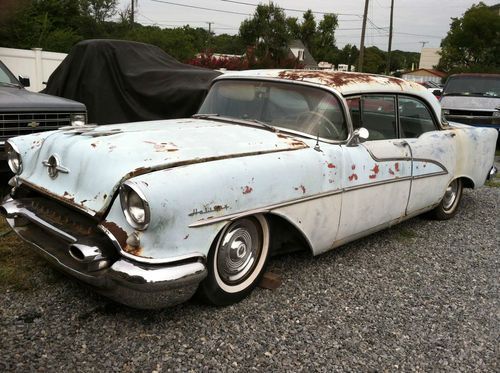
[448, 206]
[236, 261]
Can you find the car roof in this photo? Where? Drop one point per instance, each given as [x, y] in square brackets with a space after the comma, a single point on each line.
[346, 83]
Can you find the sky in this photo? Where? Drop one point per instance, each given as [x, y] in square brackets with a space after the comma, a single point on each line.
[416, 22]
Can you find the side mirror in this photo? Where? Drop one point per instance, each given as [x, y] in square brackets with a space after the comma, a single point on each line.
[24, 80]
[358, 136]
[437, 92]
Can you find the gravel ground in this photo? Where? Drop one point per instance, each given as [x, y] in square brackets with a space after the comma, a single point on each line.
[422, 296]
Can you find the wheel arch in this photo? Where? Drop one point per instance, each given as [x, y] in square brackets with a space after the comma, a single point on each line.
[286, 236]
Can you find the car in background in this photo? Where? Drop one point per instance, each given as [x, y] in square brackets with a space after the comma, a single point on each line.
[23, 112]
[272, 157]
[472, 99]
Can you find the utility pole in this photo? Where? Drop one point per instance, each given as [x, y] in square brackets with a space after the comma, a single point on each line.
[362, 43]
[423, 43]
[132, 12]
[209, 35]
[388, 67]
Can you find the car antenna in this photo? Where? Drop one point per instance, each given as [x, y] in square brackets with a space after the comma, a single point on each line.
[316, 147]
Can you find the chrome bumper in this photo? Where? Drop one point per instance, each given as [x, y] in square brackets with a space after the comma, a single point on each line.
[138, 285]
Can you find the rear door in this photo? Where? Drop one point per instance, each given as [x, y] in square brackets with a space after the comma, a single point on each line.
[433, 153]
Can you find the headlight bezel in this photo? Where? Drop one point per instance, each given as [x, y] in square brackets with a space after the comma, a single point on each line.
[78, 119]
[13, 155]
[126, 190]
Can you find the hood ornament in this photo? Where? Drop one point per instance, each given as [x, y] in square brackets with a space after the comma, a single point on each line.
[53, 165]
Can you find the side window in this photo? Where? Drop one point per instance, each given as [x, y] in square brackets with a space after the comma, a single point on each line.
[378, 116]
[414, 117]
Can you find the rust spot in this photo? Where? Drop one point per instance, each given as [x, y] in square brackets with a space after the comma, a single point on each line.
[137, 251]
[186, 237]
[353, 167]
[331, 181]
[218, 208]
[372, 176]
[69, 197]
[396, 166]
[391, 172]
[375, 169]
[330, 165]
[163, 146]
[93, 145]
[117, 232]
[139, 171]
[247, 189]
[104, 196]
[353, 177]
[425, 165]
[292, 141]
[302, 188]
[339, 79]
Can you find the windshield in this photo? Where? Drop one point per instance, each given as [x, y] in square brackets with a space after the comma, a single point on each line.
[481, 86]
[287, 106]
[6, 76]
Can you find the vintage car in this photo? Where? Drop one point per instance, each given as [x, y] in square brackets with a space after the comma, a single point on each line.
[149, 213]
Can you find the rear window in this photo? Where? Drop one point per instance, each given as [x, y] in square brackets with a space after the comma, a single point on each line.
[479, 86]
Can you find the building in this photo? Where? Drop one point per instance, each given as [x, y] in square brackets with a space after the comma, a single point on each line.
[424, 75]
[429, 58]
[297, 50]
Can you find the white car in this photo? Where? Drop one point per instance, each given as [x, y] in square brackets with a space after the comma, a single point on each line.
[149, 213]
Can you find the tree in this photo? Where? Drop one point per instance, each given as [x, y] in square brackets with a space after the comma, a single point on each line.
[473, 42]
[267, 31]
[308, 30]
[324, 43]
[99, 10]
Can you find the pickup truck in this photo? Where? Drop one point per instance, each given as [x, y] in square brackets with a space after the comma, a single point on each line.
[23, 112]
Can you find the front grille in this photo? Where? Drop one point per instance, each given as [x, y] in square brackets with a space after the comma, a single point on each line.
[16, 124]
[471, 113]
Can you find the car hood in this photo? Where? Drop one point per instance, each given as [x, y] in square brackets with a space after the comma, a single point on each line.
[470, 103]
[20, 99]
[99, 160]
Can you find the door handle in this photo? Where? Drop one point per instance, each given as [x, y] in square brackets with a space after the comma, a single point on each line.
[401, 143]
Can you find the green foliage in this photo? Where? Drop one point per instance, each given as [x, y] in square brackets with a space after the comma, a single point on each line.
[267, 31]
[473, 42]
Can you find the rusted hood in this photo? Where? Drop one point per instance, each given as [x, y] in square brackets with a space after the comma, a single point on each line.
[98, 161]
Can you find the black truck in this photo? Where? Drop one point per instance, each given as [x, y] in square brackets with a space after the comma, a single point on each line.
[23, 112]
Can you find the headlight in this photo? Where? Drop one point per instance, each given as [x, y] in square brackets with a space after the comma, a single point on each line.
[78, 120]
[134, 206]
[13, 158]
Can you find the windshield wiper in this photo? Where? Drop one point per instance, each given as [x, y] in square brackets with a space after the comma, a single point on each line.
[6, 84]
[235, 120]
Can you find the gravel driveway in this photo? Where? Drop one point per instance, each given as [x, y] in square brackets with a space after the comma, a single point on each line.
[423, 295]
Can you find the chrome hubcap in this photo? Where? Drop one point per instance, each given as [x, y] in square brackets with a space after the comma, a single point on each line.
[239, 251]
[451, 195]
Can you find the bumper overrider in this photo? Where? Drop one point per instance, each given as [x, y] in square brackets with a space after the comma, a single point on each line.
[75, 245]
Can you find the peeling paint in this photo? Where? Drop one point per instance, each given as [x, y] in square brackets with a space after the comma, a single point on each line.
[302, 188]
[246, 189]
[396, 166]
[163, 146]
[353, 177]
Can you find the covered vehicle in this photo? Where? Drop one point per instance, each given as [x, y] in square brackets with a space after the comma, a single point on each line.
[321, 158]
[124, 81]
[472, 99]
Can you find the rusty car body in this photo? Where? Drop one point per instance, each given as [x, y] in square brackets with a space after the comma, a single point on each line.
[148, 213]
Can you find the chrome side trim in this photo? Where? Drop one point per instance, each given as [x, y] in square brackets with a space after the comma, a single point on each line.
[179, 258]
[234, 216]
[269, 208]
[432, 174]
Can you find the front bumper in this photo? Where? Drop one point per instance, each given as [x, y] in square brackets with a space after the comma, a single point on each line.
[58, 238]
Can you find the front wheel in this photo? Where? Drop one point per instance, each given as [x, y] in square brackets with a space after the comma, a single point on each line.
[237, 261]
[448, 206]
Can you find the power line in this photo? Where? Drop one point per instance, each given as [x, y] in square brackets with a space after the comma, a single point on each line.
[293, 10]
[201, 8]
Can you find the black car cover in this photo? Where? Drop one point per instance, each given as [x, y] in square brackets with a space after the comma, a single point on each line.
[123, 81]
